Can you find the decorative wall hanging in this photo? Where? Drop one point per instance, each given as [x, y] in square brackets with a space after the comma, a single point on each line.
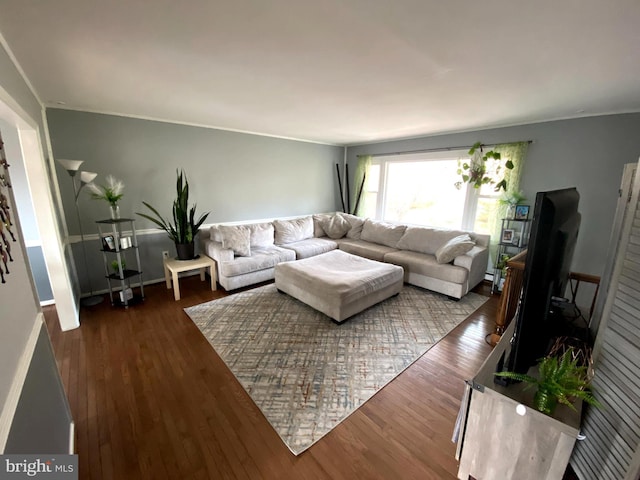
[5, 216]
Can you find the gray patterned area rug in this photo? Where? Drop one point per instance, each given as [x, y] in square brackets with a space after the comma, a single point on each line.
[306, 373]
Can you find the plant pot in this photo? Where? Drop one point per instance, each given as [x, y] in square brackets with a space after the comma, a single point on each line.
[185, 250]
[544, 401]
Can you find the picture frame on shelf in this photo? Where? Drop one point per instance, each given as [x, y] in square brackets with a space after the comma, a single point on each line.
[108, 243]
[516, 239]
[522, 212]
[507, 236]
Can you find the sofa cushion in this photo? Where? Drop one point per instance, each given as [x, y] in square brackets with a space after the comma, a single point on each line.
[236, 238]
[336, 226]
[262, 234]
[261, 259]
[369, 250]
[453, 248]
[289, 231]
[422, 264]
[356, 225]
[425, 239]
[381, 232]
[214, 233]
[318, 231]
[311, 247]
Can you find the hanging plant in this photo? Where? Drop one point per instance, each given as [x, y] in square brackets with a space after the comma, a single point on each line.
[483, 168]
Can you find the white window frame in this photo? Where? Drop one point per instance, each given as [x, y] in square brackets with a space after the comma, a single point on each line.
[471, 194]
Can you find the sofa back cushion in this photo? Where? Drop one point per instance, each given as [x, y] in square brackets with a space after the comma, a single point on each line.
[427, 240]
[318, 231]
[236, 238]
[381, 232]
[214, 233]
[289, 231]
[262, 234]
[355, 232]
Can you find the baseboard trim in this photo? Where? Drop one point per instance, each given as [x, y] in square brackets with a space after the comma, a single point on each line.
[145, 283]
[11, 403]
[72, 437]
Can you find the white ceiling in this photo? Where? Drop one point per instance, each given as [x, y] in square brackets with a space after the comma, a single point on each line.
[331, 71]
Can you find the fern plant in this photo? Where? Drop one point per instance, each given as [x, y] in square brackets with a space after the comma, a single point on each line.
[561, 380]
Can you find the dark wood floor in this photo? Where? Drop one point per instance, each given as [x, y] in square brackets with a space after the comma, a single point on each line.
[151, 399]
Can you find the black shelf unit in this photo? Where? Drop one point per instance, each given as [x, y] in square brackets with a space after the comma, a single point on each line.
[120, 243]
[520, 230]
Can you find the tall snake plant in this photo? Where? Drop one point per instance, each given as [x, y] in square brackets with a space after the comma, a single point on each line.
[184, 226]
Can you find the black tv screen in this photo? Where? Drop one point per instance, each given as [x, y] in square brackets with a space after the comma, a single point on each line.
[554, 232]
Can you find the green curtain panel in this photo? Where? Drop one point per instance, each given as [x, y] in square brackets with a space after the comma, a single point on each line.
[362, 169]
[516, 152]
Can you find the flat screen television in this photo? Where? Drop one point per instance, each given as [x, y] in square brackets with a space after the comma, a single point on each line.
[554, 232]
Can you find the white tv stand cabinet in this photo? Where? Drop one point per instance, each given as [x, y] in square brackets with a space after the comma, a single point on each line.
[497, 442]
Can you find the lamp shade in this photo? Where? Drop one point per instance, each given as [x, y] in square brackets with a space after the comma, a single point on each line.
[70, 165]
[87, 177]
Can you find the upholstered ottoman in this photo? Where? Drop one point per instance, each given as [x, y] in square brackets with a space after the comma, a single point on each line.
[339, 284]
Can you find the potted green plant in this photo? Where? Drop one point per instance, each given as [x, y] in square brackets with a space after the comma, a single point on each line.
[476, 171]
[116, 267]
[511, 199]
[110, 192]
[502, 263]
[184, 227]
[562, 379]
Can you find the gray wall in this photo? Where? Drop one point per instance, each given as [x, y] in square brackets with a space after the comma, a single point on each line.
[42, 420]
[587, 153]
[234, 175]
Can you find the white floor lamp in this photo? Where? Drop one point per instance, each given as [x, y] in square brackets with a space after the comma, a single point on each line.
[73, 168]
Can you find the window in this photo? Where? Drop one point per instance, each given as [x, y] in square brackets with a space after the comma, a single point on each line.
[486, 215]
[419, 189]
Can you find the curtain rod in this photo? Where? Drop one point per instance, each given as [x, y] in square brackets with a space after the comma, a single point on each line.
[429, 150]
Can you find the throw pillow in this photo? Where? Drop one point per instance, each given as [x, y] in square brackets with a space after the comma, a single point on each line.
[318, 231]
[356, 225]
[336, 227]
[290, 231]
[236, 238]
[455, 247]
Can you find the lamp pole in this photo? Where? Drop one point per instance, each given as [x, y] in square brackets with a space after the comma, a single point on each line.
[72, 168]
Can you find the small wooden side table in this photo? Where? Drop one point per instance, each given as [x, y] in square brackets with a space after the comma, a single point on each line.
[172, 267]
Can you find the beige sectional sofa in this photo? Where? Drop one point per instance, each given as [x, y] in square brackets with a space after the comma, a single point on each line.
[450, 262]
